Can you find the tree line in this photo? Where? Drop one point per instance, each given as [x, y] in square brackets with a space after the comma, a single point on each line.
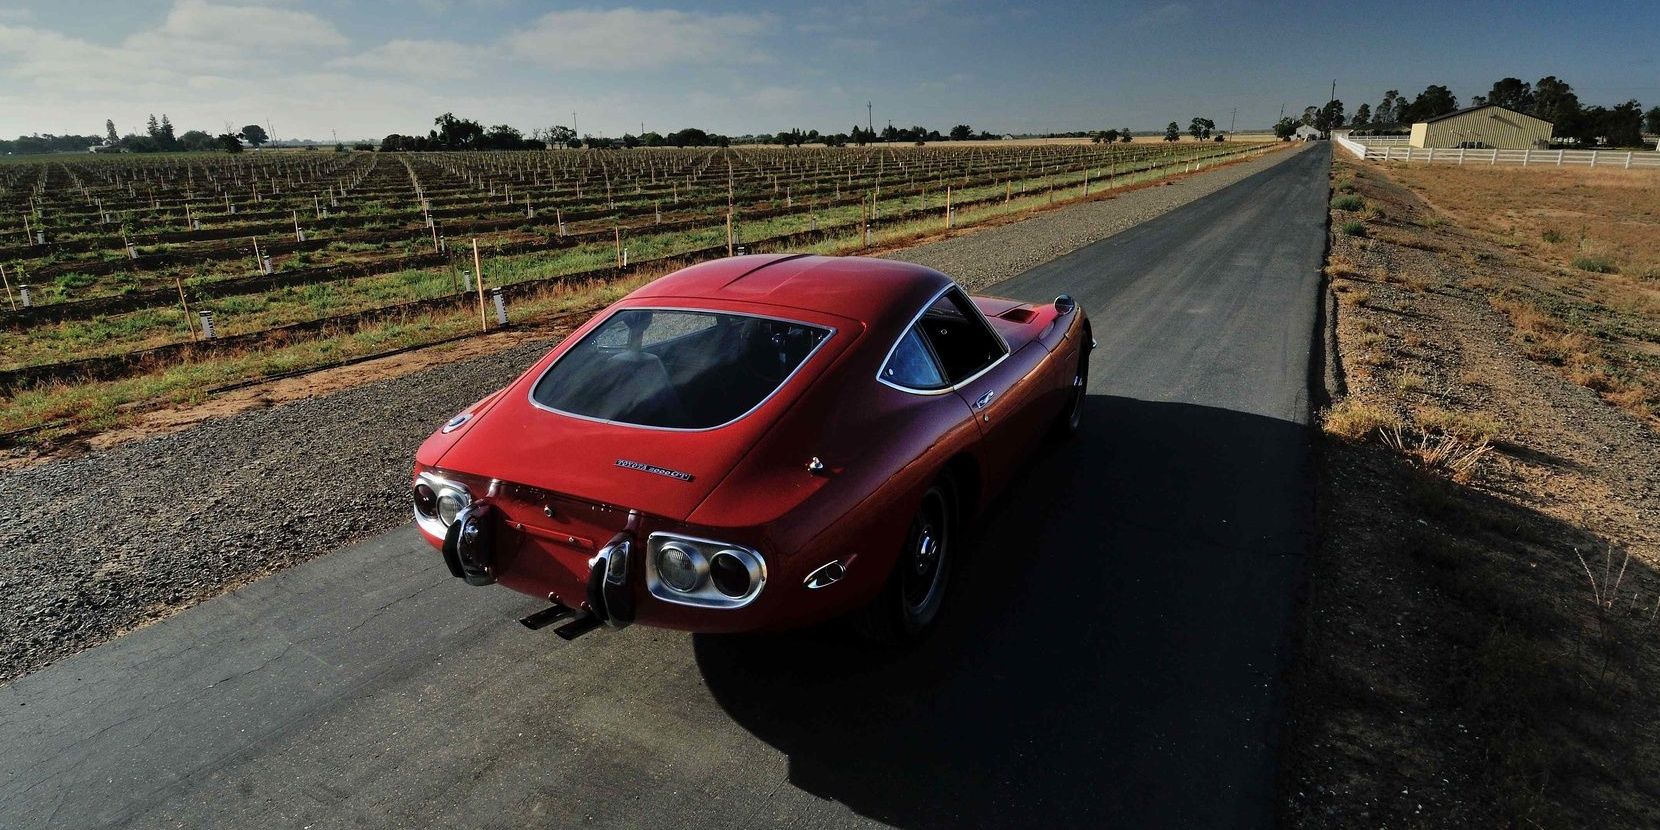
[1551, 99]
[159, 136]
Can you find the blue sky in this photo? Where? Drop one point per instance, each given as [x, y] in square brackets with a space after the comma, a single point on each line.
[364, 69]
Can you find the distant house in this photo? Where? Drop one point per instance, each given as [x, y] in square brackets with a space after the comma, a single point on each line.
[1306, 133]
[1008, 137]
[1482, 127]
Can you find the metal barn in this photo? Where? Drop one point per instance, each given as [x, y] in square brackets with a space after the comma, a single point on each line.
[1482, 127]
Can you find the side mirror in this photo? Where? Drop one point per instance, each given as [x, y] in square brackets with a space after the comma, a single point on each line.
[1065, 304]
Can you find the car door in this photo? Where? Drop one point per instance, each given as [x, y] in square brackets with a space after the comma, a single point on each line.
[996, 385]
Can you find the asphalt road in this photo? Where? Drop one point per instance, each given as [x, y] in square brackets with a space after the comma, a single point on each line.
[1111, 656]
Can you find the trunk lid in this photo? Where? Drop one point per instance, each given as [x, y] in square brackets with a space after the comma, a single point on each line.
[660, 471]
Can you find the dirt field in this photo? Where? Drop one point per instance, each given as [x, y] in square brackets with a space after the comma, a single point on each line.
[1480, 646]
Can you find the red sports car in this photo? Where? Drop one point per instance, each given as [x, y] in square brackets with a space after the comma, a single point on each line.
[754, 443]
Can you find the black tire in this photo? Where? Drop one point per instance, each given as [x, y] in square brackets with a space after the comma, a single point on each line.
[910, 603]
[1072, 415]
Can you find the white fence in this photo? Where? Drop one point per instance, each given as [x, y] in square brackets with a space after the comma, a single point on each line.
[1613, 159]
[1378, 140]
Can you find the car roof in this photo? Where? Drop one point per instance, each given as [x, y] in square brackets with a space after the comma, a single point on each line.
[871, 291]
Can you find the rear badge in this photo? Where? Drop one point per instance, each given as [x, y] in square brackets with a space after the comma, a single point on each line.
[651, 468]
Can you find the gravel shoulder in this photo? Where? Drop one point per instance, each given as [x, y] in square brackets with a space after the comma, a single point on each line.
[1477, 648]
[106, 542]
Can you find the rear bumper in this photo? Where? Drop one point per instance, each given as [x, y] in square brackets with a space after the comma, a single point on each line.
[577, 580]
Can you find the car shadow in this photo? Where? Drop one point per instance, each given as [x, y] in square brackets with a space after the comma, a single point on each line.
[1111, 653]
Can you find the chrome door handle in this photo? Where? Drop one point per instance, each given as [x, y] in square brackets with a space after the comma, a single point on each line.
[985, 400]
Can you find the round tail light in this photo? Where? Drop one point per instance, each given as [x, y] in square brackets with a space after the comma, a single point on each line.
[426, 501]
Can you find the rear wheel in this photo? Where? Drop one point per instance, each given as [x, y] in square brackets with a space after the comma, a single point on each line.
[910, 603]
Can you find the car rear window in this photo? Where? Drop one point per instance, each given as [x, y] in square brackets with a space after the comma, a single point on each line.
[676, 369]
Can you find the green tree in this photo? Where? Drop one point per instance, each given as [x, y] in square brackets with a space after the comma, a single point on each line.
[503, 137]
[110, 135]
[1651, 120]
[1330, 116]
[457, 133]
[560, 136]
[151, 128]
[1385, 115]
[254, 134]
[165, 137]
[1172, 132]
[1200, 128]
[1434, 101]
[140, 144]
[1285, 128]
[230, 142]
[1363, 117]
[1555, 101]
[1125, 136]
[1513, 94]
[962, 132]
[1621, 125]
[196, 140]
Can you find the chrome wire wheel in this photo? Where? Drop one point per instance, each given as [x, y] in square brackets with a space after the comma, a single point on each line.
[923, 568]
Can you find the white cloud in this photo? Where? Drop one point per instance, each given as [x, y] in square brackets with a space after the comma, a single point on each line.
[200, 23]
[212, 63]
[629, 38]
[196, 44]
[419, 59]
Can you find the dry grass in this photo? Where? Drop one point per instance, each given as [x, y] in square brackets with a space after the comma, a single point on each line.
[1353, 419]
[1456, 671]
[1467, 426]
[1606, 216]
[1441, 452]
[1407, 383]
[1592, 309]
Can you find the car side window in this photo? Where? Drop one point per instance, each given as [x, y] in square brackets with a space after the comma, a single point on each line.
[912, 365]
[959, 336]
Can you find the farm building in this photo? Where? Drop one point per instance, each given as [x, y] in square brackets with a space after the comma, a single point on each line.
[1306, 133]
[1482, 127]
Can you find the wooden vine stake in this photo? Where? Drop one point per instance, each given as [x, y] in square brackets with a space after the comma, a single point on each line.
[729, 231]
[8, 283]
[616, 230]
[478, 279]
[185, 304]
[948, 207]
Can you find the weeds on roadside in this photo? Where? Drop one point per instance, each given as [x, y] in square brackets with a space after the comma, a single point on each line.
[1354, 227]
[1456, 456]
[1595, 263]
[1354, 420]
[1474, 427]
[1612, 634]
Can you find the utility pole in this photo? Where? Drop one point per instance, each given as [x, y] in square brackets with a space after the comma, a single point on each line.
[870, 123]
[1333, 90]
[1232, 119]
[573, 125]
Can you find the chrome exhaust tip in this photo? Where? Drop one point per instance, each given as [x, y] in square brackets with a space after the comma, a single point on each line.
[826, 575]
